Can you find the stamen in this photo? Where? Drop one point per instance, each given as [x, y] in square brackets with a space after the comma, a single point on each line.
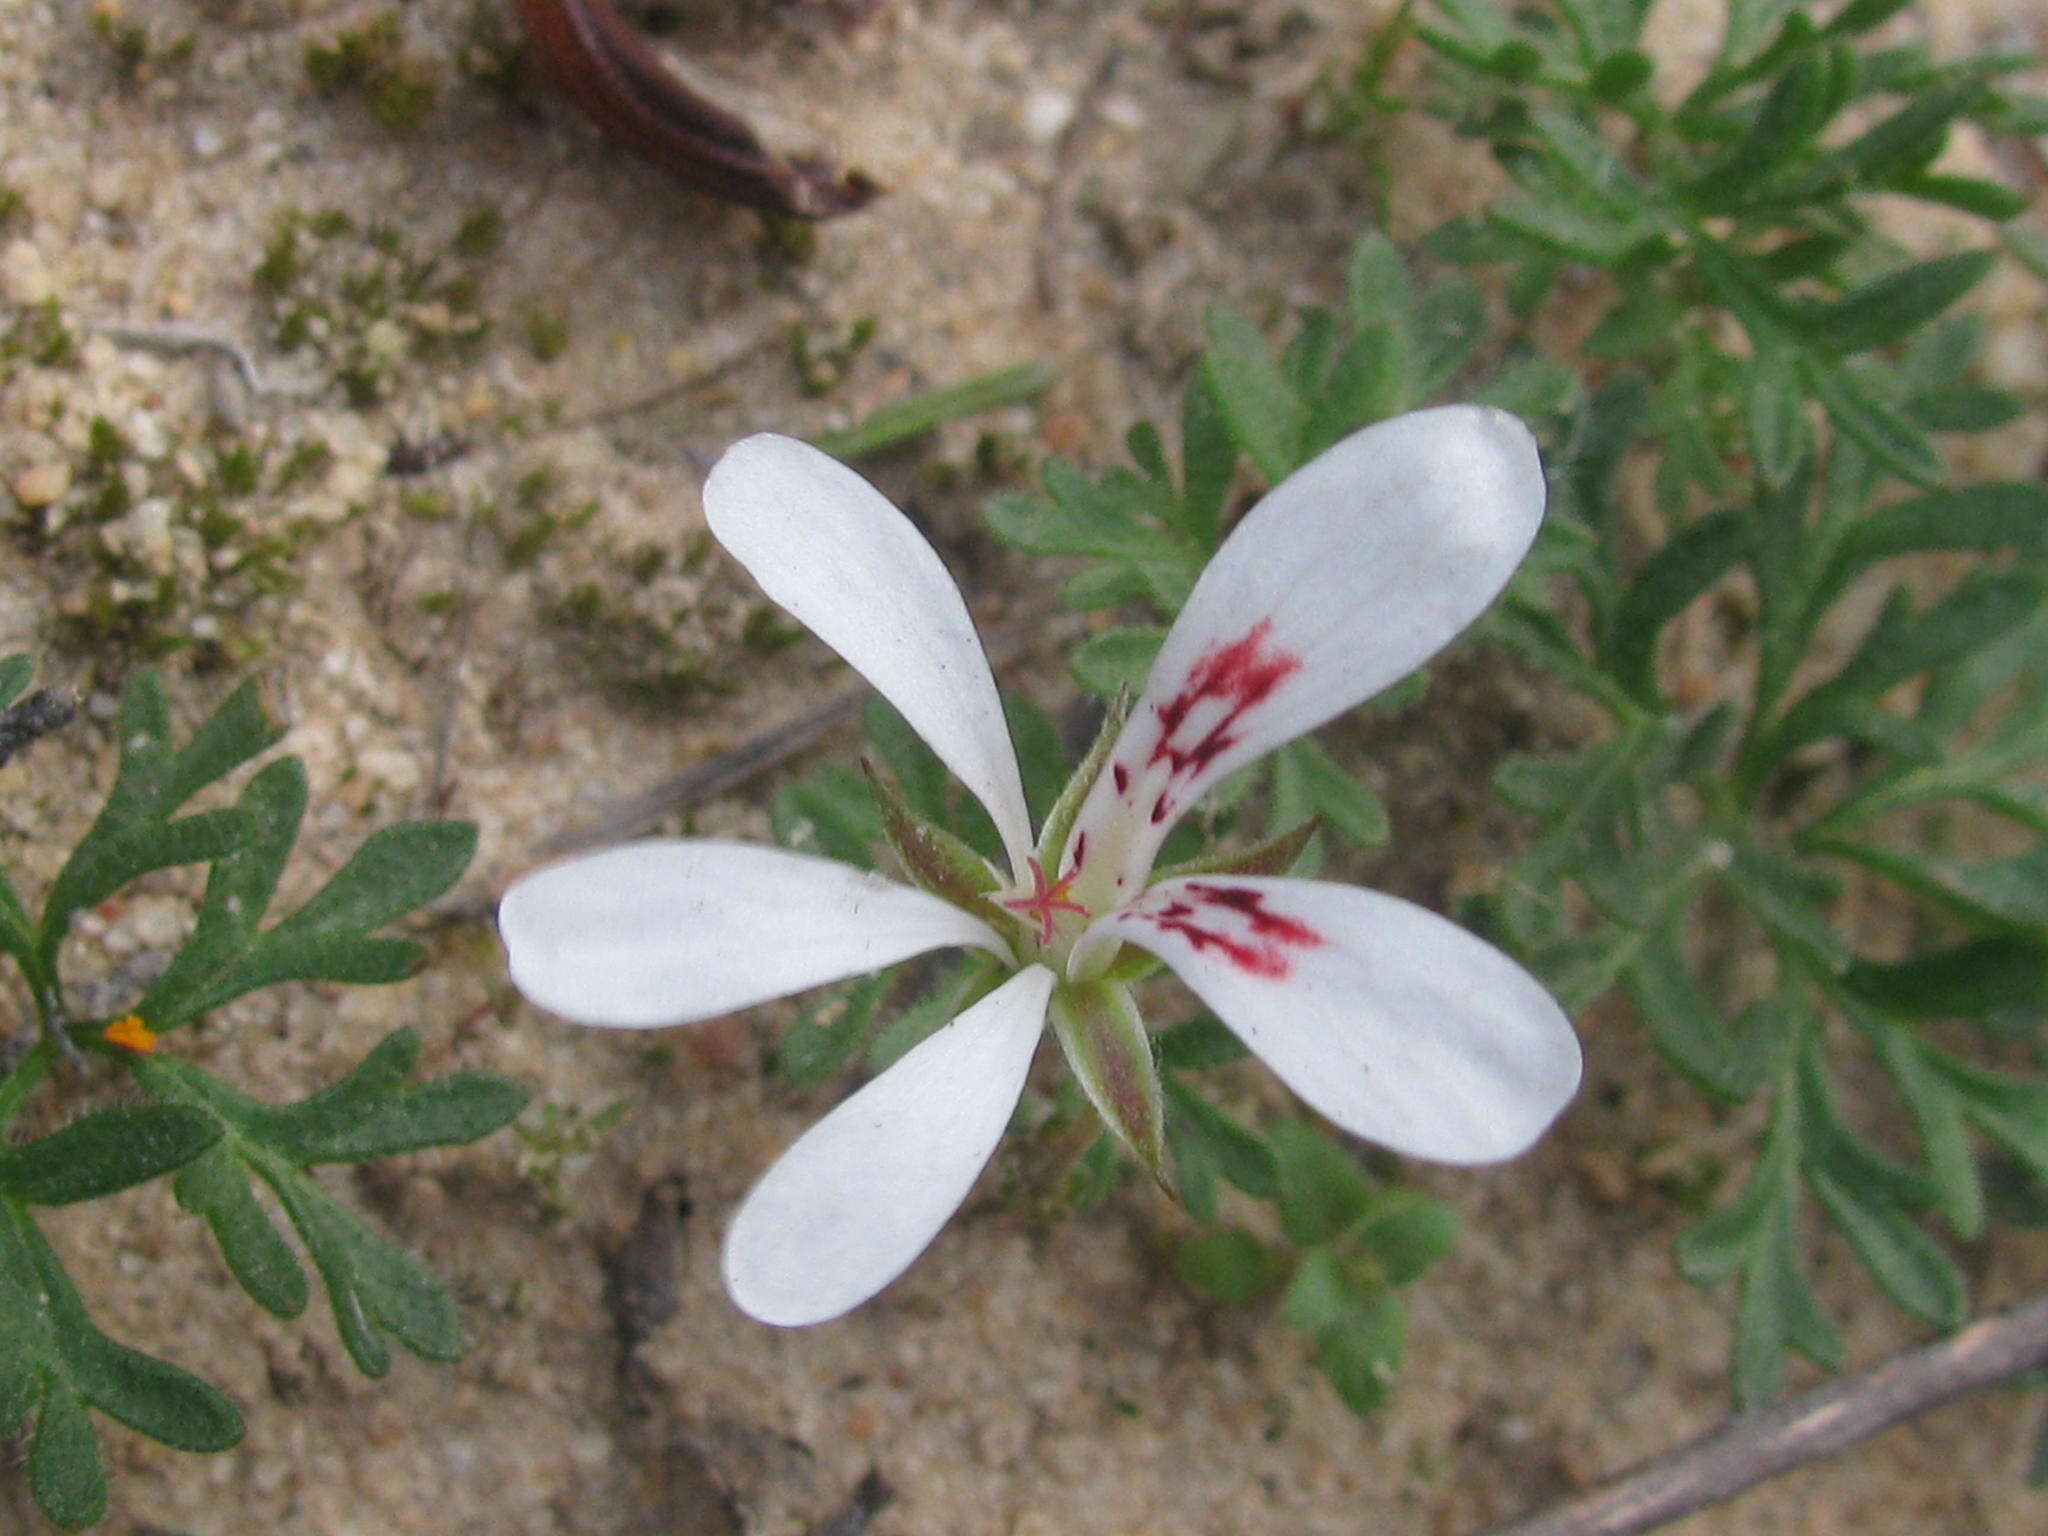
[1045, 900]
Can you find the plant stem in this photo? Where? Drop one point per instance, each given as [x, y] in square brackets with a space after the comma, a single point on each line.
[1805, 1428]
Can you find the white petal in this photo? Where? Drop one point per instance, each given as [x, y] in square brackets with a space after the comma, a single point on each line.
[669, 931]
[855, 571]
[845, 1210]
[1350, 574]
[1391, 1021]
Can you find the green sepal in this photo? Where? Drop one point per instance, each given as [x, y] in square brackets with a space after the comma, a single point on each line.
[1059, 821]
[1103, 1034]
[1274, 856]
[932, 858]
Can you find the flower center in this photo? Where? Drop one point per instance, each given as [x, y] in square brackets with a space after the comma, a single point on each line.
[1044, 901]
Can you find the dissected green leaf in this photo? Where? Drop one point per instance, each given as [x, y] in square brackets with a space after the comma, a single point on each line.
[1887, 310]
[1321, 1190]
[374, 1287]
[54, 1365]
[1112, 660]
[1228, 1263]
[108, 1150]
[1265, 412]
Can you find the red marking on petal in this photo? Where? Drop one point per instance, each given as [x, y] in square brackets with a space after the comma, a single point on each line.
[1121, 777]
[1263, 940]
[1239, 675]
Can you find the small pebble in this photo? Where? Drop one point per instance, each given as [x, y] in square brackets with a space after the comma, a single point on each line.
[41, 484]
[23, 277]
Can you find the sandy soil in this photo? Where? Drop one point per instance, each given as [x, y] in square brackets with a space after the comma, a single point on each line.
[440, 651]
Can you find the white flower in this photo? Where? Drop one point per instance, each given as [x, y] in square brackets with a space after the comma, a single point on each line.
[1392, 1022]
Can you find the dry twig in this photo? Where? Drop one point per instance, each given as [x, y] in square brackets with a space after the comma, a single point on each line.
[1805, 1428]
[28, 720]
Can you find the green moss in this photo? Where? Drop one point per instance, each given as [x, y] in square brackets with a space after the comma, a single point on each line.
[547, 334]
[103, 445]
[238, 468]
[767, 630]
[372, 64]
[334, 288]
[481, 233]
[37, 334]
[824, 355]
[309, 457]
[279, 269]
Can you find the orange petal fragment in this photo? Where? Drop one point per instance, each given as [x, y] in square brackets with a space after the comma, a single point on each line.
[130, 1034]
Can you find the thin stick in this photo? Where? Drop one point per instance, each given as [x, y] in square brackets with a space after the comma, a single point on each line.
[755, 756]
[710, 778]
[30, 719]
[1818, 1423]
[179, 340]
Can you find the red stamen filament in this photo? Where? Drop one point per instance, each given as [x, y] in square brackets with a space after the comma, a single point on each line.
[1045, 900]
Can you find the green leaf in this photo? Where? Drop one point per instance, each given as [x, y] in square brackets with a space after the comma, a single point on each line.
[1965, 408]
[374, 1288]
[1897, 304]
[1792, 111]
[1348, 806]
[1888, 434]
[1900, 644]
[238, 892]
[1970, 980]
[1987, 516]
[1042, 527]
[216, 1189]
[1265, 413]
[1753, 1237]
[1321, 1190]
[1041, 760]
[829, 811]
[1318, 1295]
[16, 671]
[923, 777]
[1689, 563]
[108, 1150]
[1944, 1136]
[1788, 901]
[1907, 1263]
[1111, 660]
[397, 870]
[55, 1365]
[1202, 1041]
[1985, 198]
[1229, 1264]
[2004, 895]
[1408, 1234]
[103, 863]
[1775, 412]
[1208, 462]
[1685, 1026]
[1202, 1132]
[64, 1469]
[1360, 1352]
